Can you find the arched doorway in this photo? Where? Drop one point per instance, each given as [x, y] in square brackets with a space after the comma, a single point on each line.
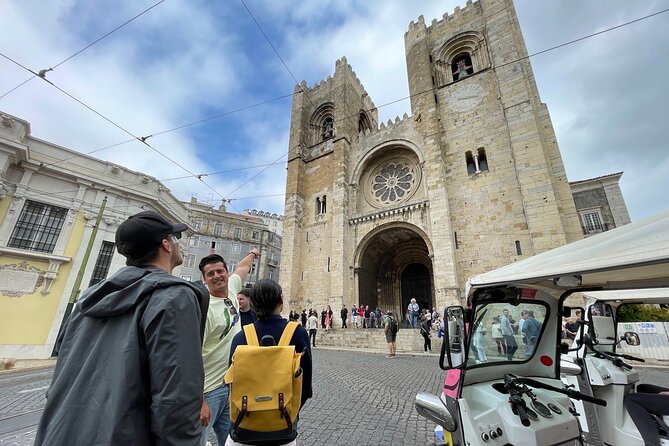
[394, 265]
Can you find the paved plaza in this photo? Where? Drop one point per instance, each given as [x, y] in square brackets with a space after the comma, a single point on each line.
[360, 398]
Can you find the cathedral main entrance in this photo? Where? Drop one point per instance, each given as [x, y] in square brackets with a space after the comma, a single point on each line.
[394, 266]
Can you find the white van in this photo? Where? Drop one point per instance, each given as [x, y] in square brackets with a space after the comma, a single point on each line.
[512, 378]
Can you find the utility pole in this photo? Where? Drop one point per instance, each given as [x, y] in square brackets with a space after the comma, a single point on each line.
[80, 275]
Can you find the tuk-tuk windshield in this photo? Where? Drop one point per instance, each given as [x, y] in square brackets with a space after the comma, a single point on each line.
[504, 333]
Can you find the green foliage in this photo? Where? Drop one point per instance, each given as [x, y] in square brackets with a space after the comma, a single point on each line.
[642, 313]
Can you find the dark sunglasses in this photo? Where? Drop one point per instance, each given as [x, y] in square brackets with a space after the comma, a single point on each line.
[177, 235]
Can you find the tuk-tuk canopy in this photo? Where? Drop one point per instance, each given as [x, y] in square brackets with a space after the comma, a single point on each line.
[631, 256]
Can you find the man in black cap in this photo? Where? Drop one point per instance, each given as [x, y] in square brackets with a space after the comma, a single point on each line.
[129, 369]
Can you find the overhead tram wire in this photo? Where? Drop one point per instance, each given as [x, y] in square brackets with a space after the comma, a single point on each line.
[352, 116]
[276, 52]
[86, 47]
[433, 89]
[604, 31]
[182, 126]
[141, 139]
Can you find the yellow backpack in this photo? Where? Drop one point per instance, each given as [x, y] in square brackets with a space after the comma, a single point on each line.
[265, 388]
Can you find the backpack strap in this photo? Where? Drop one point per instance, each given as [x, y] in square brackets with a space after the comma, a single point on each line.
[251, 335]
[287, 334]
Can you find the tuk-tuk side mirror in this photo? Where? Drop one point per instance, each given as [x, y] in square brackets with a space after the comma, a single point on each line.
[435, 410]
[631, 338]
[453, 354]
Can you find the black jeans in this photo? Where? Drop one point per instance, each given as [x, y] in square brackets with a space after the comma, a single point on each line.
[641, 404]
[427, 345]
[343, 322]
[312, 336]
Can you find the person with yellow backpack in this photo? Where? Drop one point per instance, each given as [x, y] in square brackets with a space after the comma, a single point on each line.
[270, 373]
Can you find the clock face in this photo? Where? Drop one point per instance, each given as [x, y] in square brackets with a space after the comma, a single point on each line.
[465, 97]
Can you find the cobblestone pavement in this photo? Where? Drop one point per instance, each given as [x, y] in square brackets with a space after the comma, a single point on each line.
[360, 398]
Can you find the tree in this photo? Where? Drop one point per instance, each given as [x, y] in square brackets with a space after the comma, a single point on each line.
[642, 313]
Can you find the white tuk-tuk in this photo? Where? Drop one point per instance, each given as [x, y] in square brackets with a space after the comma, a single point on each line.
[513, 379]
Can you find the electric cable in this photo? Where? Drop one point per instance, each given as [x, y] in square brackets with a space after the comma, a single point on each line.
[276, 52]
[86, 47]
[182, 126]
[225, 198]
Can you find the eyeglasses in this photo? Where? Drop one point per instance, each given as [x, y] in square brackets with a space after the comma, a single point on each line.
[177, 235]
[233, 312]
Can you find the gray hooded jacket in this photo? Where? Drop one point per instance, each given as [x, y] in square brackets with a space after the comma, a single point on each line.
[129, 369]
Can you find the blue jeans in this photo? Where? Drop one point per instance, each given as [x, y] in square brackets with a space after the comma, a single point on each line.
[414, 319]
[218, 401]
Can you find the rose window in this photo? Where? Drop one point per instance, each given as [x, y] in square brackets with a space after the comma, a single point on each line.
[393, 182]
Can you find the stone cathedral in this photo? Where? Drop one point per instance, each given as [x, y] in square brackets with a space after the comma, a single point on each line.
[471, 181]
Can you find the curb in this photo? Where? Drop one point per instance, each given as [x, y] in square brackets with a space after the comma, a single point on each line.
[27, 369]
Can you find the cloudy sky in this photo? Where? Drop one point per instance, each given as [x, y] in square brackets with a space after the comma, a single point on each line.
[185, 61]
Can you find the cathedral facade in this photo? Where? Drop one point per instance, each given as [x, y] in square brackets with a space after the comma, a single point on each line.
[377, 214]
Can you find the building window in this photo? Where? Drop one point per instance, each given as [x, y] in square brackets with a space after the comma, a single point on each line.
[592, 221]
[476, 162]
[253, 268]
[232, 265]
[364, 124]
[189, 261]
[461, 67]
[236, 247]
[321, 205]
[215, 244]
[255, 235]
[187, 278]
[327, 129]
[519, 250]
[197, 225]
[218, 229]
[270, 237]
[273, 223]
[193, 242]
[322, 123]
[238, 232]
[270, 275]
[38, 227]
[102, 264]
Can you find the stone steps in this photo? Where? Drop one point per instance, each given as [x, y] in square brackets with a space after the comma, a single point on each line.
[408, 340]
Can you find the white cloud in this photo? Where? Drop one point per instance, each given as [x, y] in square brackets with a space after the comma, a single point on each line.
[183, 61]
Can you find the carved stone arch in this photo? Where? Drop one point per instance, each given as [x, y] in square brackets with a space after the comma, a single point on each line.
[321, 123]
[469, 42]
[387, 176]
[376, 150]
[382, 259]
[367, 238]
[364, 122]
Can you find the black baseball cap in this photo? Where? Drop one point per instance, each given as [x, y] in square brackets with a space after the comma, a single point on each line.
[142, 232]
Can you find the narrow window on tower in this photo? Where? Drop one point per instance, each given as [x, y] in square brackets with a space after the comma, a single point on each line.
[461, 67]
[483, 160]
[455, 238]
[318, 206]
[328, 264]
[324, 208]
[327, 128]
[519, 250]
[471, 166]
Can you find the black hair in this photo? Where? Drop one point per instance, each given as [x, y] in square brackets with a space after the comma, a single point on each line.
[145, 259]
[265, 296]
[211, 258]
[245, 292]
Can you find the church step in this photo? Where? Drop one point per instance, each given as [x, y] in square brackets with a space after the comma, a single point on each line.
[408, 340]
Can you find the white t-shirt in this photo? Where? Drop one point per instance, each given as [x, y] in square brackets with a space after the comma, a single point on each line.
[218, 334]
